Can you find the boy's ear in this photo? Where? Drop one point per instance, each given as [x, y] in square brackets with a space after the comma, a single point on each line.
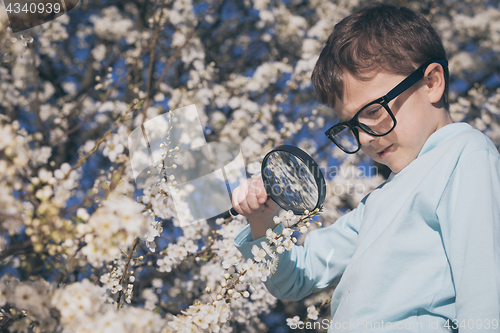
[434, 80]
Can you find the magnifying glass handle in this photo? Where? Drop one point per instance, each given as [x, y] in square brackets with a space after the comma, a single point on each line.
[233, 212]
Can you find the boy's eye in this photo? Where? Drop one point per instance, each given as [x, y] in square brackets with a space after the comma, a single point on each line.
[371, 111]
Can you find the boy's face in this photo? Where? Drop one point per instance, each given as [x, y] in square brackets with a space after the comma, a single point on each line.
[415, 110]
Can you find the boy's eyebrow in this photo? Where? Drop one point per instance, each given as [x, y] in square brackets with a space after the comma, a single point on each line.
[359, 108]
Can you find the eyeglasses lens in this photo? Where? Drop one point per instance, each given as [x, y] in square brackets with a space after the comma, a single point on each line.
[343, 136]
[375, 119]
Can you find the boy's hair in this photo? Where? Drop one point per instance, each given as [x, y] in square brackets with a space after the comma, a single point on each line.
[378, 37]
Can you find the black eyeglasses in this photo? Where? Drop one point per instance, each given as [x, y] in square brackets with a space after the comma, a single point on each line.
[375, 118]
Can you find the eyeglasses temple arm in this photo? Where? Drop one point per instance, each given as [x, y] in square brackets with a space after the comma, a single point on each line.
[412, 79]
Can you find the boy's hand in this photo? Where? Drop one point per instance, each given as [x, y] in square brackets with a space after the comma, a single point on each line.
[250, 200]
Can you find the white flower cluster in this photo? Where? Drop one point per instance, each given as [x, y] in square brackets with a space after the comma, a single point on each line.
[151, 298]
[112, 228]
[83, 308]
[10, 207]
[79, 303]
[185, 245]
[239, 273]
[202, 318]
[32, 297]
[312, 314]
[111, 25]
[294, 322]
[237, 277]
[266, 261]
[157, 194]
[51, 188]
[266, 256]
[113, 148]
[176, 253]
[115, 144]
[112, 280]
[12, 143]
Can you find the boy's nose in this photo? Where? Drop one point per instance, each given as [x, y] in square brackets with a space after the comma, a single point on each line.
[365, 138]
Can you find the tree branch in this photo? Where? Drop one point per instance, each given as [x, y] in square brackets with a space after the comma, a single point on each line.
[117, 121]
[15, 248]
[118, 301]
[152, 62]
[35, 82]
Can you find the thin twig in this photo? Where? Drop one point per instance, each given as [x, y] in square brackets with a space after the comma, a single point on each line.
[35, 82]
[15, 248]
[118, 301]
[64, 276]
[6, 316]
[188, 38]
[111, 187]
[117, 121]
[90, 116]
[152, 61]
[114, 183]
[106, 98]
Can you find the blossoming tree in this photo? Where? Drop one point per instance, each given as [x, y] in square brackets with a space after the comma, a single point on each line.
[83, 248]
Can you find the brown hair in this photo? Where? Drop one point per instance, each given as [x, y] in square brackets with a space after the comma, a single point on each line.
[377, 37]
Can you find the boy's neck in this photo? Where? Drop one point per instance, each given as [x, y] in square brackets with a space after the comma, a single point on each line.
[445, 119]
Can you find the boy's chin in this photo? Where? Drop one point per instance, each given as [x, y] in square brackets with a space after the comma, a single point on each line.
[394, 167]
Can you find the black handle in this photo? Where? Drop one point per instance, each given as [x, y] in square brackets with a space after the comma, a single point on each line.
[233, 212]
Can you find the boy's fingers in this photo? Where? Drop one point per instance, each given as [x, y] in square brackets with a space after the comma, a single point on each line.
[252, 197]
[239, 198]
[242, 198]
[260, 190]
[262, 196]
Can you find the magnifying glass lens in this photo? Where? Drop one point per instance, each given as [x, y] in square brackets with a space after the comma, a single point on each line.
[292, 184]
[292, 179]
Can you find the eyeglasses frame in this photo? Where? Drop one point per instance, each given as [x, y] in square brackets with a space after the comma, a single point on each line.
[404, 85]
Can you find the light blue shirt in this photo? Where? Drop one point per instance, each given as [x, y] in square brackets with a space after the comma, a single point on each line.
[421, 253]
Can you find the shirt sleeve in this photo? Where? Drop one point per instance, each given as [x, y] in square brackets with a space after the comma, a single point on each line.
[317, 264]
[469, 214]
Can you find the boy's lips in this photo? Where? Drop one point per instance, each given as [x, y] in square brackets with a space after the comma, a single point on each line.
[382, 153]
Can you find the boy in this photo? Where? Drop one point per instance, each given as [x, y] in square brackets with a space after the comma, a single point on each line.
[421, 253]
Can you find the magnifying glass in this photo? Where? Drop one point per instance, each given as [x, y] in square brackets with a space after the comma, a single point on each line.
[292, 179]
